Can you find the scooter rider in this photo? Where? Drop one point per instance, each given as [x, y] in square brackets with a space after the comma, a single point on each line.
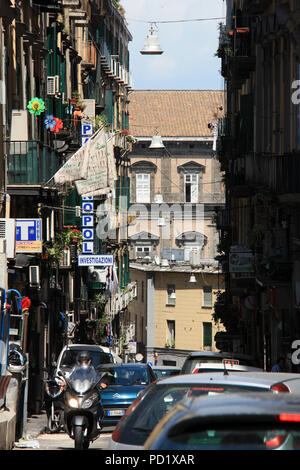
[84, 360]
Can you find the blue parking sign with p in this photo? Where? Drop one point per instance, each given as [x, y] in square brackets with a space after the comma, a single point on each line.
[86, 131]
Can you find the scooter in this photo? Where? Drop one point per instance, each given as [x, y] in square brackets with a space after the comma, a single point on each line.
[82, 406]
[54, 405]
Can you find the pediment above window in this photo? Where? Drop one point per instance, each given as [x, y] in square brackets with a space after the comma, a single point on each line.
[191, 167]
[144, 237]
[190, 238]
[143, 166]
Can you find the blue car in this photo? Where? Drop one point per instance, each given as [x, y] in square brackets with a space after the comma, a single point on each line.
[127, 380]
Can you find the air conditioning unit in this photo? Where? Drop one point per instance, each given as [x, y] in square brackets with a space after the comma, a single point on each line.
[34, 276]
[52, 85]
[8, 233]
[19, 131]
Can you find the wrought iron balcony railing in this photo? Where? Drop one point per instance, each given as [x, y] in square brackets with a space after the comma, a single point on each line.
[30, 163]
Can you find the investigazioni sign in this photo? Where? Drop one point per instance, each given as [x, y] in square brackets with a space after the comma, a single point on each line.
[95, 260]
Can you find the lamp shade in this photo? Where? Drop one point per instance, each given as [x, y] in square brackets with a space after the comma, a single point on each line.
[151, 45]
[156, 142]
[192, 278]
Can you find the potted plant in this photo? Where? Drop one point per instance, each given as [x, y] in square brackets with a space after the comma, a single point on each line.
[54, 250]
[101, 120]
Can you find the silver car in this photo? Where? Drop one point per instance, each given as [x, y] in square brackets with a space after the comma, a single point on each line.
[242, 421]
[201, 358]
[158, 398]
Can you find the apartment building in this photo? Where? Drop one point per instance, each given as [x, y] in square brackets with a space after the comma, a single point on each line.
[176, 189]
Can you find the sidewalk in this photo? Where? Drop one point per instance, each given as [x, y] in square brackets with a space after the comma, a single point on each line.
[36, 425]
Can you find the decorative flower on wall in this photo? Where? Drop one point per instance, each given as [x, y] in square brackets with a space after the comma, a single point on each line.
[50, 122]
[36, 106]
[53, 124]
[59, 125]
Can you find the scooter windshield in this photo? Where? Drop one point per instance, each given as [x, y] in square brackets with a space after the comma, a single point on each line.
[82, 379]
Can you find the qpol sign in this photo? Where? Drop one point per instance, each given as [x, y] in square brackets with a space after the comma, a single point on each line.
[87, 222]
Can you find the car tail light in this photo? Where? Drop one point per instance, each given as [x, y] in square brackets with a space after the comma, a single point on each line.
[280, 387]
[289, 417]
[276, 441]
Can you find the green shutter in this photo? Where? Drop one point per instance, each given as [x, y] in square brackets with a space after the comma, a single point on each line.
[70, 202]
[109, 106]
[207, 334]
[117, 193]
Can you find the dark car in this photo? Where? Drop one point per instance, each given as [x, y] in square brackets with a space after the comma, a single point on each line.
[263, 421]
[157, 399]
[196, 358]
[67, 358]
[127, 380]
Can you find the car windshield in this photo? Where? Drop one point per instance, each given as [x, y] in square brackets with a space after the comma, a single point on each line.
[162, 373]
[158, 401]
[245, 438]
[68, 360]
[127, 375]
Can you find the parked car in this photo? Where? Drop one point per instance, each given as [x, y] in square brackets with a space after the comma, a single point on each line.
[157, 399]
[162, 372]
[127, 381]
[67, 358]
[242, 421]
[194, 359]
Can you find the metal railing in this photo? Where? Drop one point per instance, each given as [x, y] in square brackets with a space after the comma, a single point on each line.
[30, 162]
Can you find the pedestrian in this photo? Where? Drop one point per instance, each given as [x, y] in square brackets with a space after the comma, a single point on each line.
[279, 366]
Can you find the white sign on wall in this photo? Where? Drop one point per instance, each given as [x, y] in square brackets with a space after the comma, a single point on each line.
[95, 260]
[87, 222]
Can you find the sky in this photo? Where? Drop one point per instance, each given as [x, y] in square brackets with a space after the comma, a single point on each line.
[188, 61]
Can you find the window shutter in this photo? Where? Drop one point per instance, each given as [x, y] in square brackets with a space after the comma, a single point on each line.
[142, 187]
[207, 334]
[207, 296]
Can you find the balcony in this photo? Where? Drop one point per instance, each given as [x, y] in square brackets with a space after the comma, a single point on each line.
[30, 163]
[279, 173]
[237, 61]
[89, 55]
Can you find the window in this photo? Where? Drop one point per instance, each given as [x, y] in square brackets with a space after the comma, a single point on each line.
[142, 187]
[170, 333]
[142, 251]
[207, 296]
[191, 187]
[171, 296]
[207, 334]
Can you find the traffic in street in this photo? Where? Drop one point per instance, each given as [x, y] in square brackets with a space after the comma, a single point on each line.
[209, 404]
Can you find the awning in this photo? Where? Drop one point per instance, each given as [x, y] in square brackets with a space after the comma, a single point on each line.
[92, 167]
